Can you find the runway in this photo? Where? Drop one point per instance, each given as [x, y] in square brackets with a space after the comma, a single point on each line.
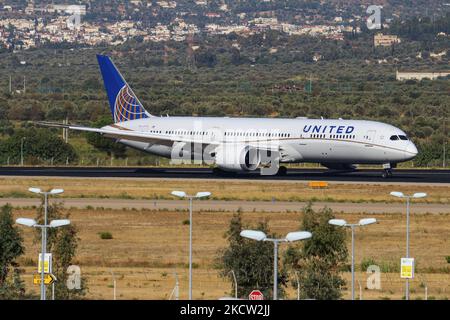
[365, 175]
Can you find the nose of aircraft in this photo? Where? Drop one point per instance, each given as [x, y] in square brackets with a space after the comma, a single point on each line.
[411, 150]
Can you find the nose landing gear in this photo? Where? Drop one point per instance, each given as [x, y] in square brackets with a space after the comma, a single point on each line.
[387, 173]
[387, 170]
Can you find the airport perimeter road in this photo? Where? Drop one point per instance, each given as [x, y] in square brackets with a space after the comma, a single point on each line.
[247, 206]
[367, 175]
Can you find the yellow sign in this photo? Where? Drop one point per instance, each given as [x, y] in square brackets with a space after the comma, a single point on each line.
[318, 184]
[47, 263]
[48, 278]
[407, 268]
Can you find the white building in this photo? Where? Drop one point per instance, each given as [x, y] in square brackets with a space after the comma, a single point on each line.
[411, 75]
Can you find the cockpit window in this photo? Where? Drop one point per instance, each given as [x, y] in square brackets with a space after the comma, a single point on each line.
[403, 137]
[394, 138]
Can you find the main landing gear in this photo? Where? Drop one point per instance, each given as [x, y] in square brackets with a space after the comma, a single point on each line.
[282, 171]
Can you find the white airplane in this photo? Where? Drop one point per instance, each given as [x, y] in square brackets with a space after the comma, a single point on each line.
[246, 144]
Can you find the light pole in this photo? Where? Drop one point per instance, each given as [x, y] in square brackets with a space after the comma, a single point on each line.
[21, 151]
[44, 230]
[114, 284]
[53, 224]
[298, 285]
[183, 194]
[290, 237]
[408, 199]
[343, 223]
[235, 284]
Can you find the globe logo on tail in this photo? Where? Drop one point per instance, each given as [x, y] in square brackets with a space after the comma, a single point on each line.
[127, 106]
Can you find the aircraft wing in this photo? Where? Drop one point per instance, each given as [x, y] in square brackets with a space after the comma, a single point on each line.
[118, 132]
[126, 134]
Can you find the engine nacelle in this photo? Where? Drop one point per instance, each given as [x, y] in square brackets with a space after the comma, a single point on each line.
[237, 157]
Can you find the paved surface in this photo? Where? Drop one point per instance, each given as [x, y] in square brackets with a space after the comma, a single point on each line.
[369, 175]
[247, 206]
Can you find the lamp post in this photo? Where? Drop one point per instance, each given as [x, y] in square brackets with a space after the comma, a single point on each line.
[352, 226]
[235, 284]
[53, 224]
[298, 285]
[182, 194]
[114, 284]
[290, 237]
[408, 200]
[21, 151]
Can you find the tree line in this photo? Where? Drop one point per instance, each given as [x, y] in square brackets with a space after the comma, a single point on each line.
[264, 75]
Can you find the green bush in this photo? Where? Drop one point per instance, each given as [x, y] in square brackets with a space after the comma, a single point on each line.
[366, 262]
[38, 145]
[105, 235]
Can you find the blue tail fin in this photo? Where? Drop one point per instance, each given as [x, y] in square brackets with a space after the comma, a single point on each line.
[123, 102]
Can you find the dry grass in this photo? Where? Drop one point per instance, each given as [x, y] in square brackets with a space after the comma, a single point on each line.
[149, 246]
[221, 190]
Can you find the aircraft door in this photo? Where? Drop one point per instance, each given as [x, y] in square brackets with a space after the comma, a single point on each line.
[216, 134]
[370, 136]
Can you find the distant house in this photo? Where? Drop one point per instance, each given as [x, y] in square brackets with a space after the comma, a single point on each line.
[438, 55]
[412, 75]
[212, 15]
[57, 8]
[382, 40]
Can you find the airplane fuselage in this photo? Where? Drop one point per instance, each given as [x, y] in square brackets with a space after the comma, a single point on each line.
[299, 140]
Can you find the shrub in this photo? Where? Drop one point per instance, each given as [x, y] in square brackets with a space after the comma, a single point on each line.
[106, 235]
[29, 262]
[366, 262]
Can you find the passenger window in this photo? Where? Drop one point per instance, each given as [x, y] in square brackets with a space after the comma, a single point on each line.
[403, 138]
[394, 138]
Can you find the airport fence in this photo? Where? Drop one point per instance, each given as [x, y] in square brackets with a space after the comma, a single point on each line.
[160, 283]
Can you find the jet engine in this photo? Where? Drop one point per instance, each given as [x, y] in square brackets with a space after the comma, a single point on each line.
[236, 157]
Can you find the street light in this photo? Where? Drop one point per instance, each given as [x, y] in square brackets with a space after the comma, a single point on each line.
[343, 223]
[235, 284]
[408, 198]
[21, 150]
[53, 224]
[182, 194]
[290, 237]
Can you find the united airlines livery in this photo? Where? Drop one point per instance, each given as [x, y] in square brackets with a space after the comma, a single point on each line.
[247, 144]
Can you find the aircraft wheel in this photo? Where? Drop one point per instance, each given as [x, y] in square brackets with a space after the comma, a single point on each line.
[386, 174]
